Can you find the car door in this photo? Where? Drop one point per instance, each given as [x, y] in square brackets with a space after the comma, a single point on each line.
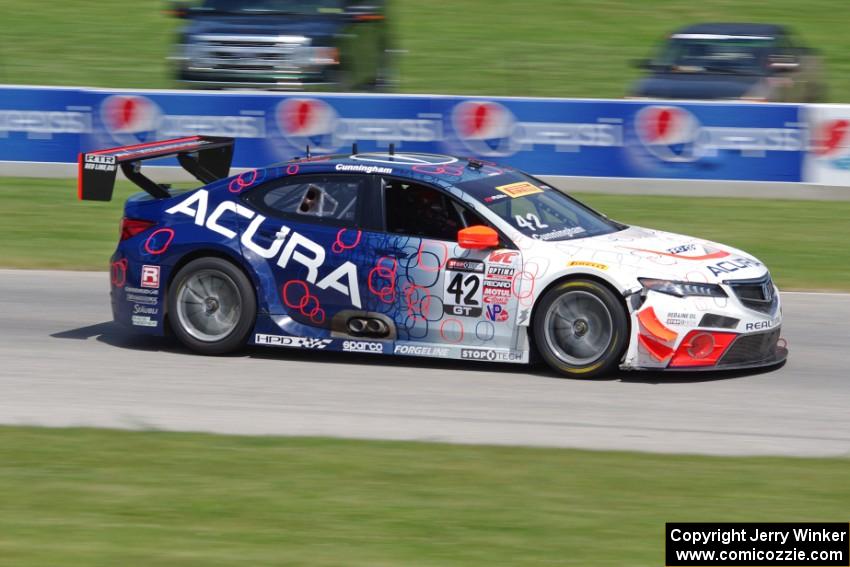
[302, 244]
[433, 290]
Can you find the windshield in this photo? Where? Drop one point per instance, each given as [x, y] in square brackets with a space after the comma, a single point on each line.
[271, 6]
[715, 53]
[537, 210]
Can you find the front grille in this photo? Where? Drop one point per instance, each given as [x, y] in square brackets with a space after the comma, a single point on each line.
[748, 349]
[757, 294]
[718, 321]
[249, 53]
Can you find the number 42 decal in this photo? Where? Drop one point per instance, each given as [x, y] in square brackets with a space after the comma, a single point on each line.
[530, 221]
[463, 294]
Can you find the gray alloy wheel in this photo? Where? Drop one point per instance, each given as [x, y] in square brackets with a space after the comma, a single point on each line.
[212, 306]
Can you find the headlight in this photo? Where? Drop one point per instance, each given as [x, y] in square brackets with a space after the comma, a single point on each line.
[682, 289]
[316, 56]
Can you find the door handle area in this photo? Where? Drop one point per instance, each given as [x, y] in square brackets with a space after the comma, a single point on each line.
[392, 252]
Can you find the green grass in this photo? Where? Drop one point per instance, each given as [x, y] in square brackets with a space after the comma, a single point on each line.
[89, 498]
[578, 48]
[803, 242]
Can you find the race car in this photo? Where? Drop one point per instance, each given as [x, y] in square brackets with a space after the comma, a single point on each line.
[422, 255]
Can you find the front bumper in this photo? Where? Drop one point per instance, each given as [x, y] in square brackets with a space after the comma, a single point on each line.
[695, 334]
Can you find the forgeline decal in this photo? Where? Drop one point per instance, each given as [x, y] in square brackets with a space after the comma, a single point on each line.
[296, 342]
[733, 265]
[289, 247]
[519, 189]
[582, 263]
[419, 350]
[490, 355]
[362, 346]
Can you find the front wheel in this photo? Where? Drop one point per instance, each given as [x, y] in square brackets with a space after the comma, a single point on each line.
[580, 328]
[212, 306]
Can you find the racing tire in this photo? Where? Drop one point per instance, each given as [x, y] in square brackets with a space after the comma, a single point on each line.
[580, 329]
[212, 306]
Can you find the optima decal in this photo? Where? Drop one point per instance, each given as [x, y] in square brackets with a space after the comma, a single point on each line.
[291, 247]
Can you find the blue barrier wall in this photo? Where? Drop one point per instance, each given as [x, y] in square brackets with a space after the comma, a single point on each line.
[608, 138]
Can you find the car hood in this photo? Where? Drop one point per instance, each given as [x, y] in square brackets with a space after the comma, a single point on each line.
[696, 85]
[640, 252]
[293, 25]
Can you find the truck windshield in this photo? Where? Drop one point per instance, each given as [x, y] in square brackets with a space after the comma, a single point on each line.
[715, 53]
[271, 6]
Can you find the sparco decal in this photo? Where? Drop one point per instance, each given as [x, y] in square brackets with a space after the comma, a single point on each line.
[490, 355]
[417, 350]
[362, 346]
[295, 342]
[289, 246]
[733, 265]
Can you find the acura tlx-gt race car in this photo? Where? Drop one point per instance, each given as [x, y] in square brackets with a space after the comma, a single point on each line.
[424, 255]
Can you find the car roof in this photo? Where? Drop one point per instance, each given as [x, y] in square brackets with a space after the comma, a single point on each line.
[735, 29]
[440, 168]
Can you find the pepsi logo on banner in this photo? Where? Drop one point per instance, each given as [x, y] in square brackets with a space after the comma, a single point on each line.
[831, 138]
[668, 132]
[485, 128]
[130, 119]
[307, 122]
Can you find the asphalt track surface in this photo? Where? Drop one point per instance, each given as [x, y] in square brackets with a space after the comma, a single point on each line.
[63, 363]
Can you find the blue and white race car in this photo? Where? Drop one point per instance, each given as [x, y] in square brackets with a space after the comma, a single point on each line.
[423, 255]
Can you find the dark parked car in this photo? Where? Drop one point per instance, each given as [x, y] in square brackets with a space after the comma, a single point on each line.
[759, 62]
[339, 45]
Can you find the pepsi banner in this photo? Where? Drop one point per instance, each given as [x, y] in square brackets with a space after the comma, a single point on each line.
[608, 138]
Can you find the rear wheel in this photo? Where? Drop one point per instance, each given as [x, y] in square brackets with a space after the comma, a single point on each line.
[580, 328]
[212, 306]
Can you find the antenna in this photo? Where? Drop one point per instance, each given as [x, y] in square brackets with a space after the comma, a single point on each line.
[354, 148]
[308, 151]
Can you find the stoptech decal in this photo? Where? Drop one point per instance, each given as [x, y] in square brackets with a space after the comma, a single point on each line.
[490, 355]
[294, 342]
[290, 247]
[463, 287]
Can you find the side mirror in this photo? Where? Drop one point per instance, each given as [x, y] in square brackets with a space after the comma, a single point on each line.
[477, 237]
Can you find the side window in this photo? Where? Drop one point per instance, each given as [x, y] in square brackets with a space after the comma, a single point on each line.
[419, 210]
[321, 198]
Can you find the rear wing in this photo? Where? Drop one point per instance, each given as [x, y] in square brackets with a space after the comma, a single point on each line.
[206, 158]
